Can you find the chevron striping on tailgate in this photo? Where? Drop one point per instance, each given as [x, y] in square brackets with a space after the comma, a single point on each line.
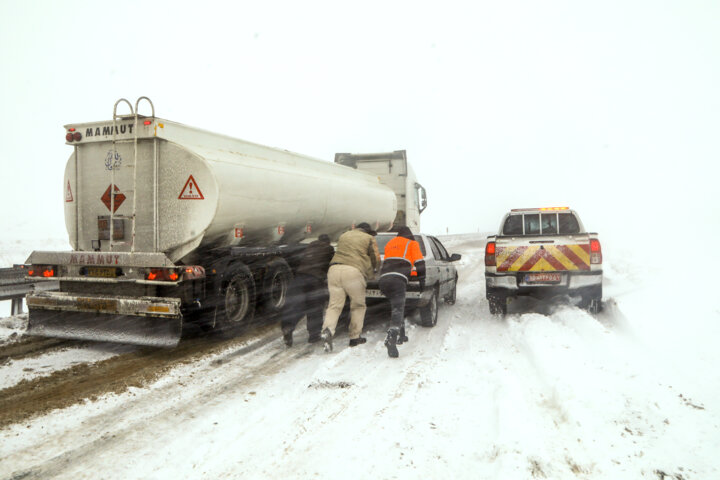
[551, 258]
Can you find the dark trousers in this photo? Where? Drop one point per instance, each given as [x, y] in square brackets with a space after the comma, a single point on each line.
[307, 295]
[394, 287]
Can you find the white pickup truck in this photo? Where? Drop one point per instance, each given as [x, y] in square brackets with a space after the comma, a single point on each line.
[543, 252]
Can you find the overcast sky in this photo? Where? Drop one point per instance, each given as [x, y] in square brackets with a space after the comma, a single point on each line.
[503, 104]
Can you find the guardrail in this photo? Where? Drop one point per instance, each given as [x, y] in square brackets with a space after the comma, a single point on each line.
[14, 285]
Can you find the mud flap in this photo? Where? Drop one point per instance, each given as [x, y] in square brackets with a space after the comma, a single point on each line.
[99, 327]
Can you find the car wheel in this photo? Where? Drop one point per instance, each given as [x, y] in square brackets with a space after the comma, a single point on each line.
[452, 296]
[429, 313]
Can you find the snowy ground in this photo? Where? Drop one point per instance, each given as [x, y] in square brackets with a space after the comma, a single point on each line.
[547, 392]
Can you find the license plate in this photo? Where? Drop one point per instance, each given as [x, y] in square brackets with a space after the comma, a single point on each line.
[543, 278]
[374, 294]
[97, 304]
[102, 272]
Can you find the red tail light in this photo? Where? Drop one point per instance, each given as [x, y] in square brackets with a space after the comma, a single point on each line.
[490, 254]
[47, 271]
[174, 274]
[162, 275]
[69, 137]
[595, 251]
[77, 136]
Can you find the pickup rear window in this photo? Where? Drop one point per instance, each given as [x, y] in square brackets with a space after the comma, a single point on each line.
[541, 224]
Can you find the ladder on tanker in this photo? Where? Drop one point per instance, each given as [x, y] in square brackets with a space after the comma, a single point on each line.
[133, 216]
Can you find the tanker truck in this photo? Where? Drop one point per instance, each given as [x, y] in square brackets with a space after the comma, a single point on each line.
[171, 224]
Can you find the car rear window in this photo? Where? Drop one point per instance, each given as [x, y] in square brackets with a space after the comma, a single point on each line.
[568, 224]
[541, 224]
[532, 224]
[383, 239]
[513, 225]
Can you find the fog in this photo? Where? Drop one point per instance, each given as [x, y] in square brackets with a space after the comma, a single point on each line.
[610, 109]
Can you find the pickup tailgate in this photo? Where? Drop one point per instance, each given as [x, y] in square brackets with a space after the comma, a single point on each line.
[548, 254]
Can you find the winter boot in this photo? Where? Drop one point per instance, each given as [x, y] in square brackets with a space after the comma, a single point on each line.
[314, 337]
[391, 342]
[402, 338]
[354, 342]
[288, 339]
[327, 340]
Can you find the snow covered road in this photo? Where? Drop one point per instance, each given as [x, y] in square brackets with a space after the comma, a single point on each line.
[547, 392]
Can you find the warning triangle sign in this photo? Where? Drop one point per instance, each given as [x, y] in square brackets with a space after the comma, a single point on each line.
[68, 193]
[191, 191]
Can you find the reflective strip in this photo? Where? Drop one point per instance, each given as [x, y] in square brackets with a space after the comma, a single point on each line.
[395, 273]
[543, 259]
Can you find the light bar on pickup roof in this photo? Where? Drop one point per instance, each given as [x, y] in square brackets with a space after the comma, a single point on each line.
[541, 209]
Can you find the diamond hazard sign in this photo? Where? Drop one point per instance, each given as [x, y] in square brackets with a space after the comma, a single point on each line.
[68, 193]
[119, 198]
[191, 191]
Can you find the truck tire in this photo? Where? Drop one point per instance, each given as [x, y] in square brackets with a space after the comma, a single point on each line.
[237, 305]
[498, 305]
[276, 282]
[452, 296]
[429, 313]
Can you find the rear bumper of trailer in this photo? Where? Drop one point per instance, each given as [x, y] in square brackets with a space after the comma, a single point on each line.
[153, 321]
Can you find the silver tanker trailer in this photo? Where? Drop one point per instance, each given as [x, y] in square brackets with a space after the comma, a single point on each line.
[170, 224]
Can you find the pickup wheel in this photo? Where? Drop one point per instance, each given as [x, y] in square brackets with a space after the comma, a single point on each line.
[498, 305]
[452, 296]
[429, 313]
[237, 303]
[592, 300]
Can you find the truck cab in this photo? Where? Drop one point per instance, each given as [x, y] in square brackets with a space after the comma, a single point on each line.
[543, 252]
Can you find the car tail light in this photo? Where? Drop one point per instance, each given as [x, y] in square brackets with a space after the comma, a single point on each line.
[77, 136]
[46, 271]
[595, 251]
[69, 137]
[490, 254]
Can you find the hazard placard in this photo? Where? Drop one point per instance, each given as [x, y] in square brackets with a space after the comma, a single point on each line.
[68, 193]
[191, 191]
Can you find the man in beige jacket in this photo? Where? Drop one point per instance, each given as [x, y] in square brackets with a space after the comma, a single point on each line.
[355, 261]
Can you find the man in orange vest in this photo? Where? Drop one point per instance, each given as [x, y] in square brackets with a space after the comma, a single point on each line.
[403, 261]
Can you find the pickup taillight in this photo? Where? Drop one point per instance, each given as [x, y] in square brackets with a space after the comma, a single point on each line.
[595, 251]
[490, 254]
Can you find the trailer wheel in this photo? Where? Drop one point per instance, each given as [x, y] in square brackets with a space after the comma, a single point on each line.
[237, 307]
[429, 313]
[275, 285]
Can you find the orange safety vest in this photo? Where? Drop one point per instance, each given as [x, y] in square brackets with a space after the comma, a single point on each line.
[401, 253]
